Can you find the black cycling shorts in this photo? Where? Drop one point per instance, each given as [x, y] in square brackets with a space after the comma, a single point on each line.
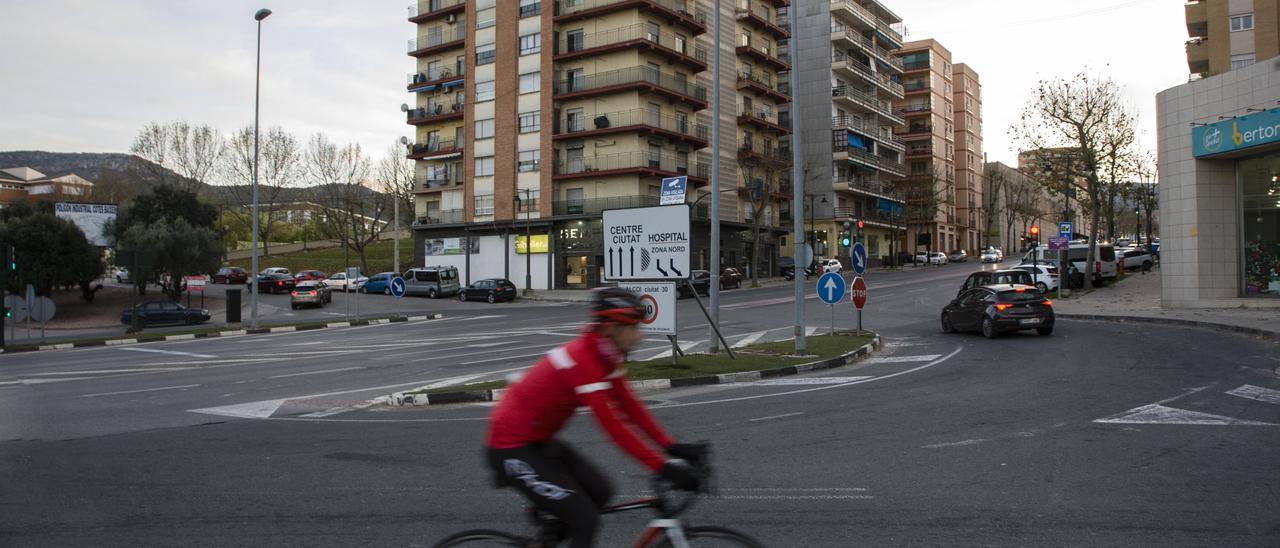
[558, 481]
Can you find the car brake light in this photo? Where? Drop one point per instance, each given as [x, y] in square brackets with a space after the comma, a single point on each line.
[1047, 303]
[1020, 289]
[1003, 306]
[1098, 267]
[279, 283]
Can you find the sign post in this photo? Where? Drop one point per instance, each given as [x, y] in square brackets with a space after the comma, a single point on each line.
[858, 294]
[830, 289]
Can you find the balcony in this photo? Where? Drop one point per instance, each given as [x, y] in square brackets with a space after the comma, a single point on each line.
[763, 56]
[437, 78]
[851, 12]
[841, 151]
[911, 66]
[857, 98]
[881, 134]
[439, 41]
[1198, 55]
[594, 206]
[920, 151]
[438, 150]
[673, 12]
[443, 217]
[852, 66]
[435, 181]
[761, 22]
[635, 36]
[1197, 17]
[913, 87]
[763, 85]
[873, 216]
[641, 120]
[844, 35]
[643, 78]
[762, 119]
[638, 162]
[870, 185]
[757, 152]
[435, 113]
[428, 10]
[915, 131]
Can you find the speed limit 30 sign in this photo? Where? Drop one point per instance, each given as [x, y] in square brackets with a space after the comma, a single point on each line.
[659, 300]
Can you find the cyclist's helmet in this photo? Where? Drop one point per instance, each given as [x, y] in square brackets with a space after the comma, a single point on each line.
[616, 305]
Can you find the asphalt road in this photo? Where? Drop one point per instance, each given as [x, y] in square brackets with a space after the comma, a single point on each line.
[1100, 435]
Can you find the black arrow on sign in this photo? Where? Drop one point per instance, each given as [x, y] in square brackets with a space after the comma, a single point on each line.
[673, 268]
[611, 269]
[658, 265]
[633, 261]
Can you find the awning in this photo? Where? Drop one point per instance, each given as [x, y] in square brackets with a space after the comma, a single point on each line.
[457, 82]
[444, 156]
[425, 88]
[856, 142]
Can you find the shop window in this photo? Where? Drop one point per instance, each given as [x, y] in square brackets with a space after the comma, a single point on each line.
[1260, 225]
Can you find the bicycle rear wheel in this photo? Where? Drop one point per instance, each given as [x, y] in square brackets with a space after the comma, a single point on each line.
[710, 537]
[479, 538]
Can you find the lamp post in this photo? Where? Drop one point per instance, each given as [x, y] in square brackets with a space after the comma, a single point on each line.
[257, 77]
[528, 241]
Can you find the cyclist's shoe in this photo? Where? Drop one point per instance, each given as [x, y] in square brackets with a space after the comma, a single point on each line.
[681, 475]
[695, 453]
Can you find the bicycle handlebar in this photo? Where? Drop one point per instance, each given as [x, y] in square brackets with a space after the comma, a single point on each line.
[662, 488]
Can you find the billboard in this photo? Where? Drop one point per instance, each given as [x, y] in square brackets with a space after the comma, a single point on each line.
[540, 244]
[450, 246]
[91, 218]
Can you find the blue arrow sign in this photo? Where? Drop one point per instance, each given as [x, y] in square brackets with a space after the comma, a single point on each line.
[831, 288]
[397, 286]
[859, 258]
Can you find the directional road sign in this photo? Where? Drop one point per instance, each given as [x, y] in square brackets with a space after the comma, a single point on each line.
[859, 293]
[42, 309]
[830, 288]
[1066, 228]
[647, 243]
[397, 286]
[673, 189]
[1058, 243]
[859, 258]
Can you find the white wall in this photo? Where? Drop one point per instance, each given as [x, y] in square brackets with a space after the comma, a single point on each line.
[488, 263]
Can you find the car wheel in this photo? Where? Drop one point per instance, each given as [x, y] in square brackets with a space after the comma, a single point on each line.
[1042, 287]
[387, 291]
[989, 328]
[431, 293]
[293, 306]
[1044, 331]
[946, 324]
[492, 299]
[363, 290]
[1146, 265]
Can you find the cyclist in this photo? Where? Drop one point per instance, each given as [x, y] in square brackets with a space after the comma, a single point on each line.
[521, 446]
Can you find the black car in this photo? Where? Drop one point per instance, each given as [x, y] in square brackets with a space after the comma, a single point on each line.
[701, 280]
[492, 290]
[995, 309]
[995, 277]
[275, 283]
[163, 312]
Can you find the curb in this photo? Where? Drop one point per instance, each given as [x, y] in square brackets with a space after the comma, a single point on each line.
[1174, 321]
[444, 398]
[218, 334]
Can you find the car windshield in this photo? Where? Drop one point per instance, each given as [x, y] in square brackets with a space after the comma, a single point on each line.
[1024, 296]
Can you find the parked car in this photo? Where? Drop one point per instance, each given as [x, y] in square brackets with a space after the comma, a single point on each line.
[1011, 276]
[730, 277]
[1136, 258]
[231, 275]
[701, 280]
[310, 275]
[921, 257]
[378, 283]
[938, 257]
[276, 270]
[786, 267]
[832, 265]
[958, 256]
[1045, 277]
[122, 275]
[164, 312]
[492, 290]
[310, 293]
[995, 309]
[338, 282]
[275, 283]
[432, 281]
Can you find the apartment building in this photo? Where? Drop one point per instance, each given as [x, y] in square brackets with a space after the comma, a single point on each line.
[1229, 34]
[532, 117]
[1016, 201]
[967, 104]
[929, 135]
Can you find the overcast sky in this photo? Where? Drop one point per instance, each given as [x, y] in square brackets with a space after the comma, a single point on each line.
[84, 76]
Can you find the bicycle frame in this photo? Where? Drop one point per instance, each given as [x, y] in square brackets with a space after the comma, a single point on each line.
[671, 526]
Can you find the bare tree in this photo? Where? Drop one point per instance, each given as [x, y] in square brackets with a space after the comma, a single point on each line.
[1079, 113]
[926, 195]
[280, 168]
[1118, 161]
[355, 212]
[395, 172]
[1017, 196]
[997, 183]
[178, 154]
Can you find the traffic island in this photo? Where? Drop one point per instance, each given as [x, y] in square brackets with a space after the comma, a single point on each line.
[754, 362]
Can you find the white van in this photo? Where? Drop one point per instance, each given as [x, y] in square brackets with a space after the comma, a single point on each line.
[1104, 263]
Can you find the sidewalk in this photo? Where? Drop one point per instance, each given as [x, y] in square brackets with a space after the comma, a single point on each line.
[1137, 298]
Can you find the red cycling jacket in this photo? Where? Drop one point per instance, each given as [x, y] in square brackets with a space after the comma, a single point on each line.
[585, 372]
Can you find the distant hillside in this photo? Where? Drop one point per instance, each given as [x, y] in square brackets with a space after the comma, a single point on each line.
[116, 176]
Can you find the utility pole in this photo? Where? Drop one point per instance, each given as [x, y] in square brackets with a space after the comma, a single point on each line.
[797, 174]
[714, 288]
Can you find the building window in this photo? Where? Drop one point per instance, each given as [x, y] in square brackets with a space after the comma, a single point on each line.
[530, 43]
[1260, 220]
[529, 160]
[573, 40]
[1241, 22]
[530, 121]
[529, 8]
[484, 91]
[486, 18]
[682, 44]
[484, 128]
[485, 54]
[527, 200]
[655, 156]
[576, 79]
[484, 204]
[575, 120]
[484, 167]
[1241, 61]
[530, 82]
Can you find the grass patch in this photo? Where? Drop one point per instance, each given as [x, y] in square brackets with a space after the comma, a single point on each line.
[380, 255]
[756, 357]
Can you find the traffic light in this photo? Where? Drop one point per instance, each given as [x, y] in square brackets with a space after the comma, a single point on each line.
[860, 224]
[844, 239]
[1035, 231]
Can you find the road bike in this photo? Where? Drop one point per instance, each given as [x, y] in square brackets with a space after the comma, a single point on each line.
[666, 530]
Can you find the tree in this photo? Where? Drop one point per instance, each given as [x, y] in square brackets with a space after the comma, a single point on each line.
[926, 194]
[353, 211]
[51, 251]
[279, 168]
[1119, 162]
[395, 172]
[997, 183]
[1078, 113]
[194, 245]
[178, 154]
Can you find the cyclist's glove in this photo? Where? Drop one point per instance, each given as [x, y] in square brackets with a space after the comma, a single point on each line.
[692, 452]
[680, 474]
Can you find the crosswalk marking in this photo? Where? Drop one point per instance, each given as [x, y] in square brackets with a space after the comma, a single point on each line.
[684, 346]
[796, 381]
[903, 359]
[750, 339]
[1159, 414]
[1258, 393]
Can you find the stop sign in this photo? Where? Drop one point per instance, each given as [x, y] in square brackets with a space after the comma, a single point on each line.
[858, 291]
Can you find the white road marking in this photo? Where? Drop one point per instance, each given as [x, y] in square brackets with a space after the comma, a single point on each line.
[139, 391]
[502, 358]
[309, 343]
[1258, 393]
[955, 443]
[251, 410]
[109, 371]
[903, 359]
[905, 343]
[777, 416]
[750, 339]
[170, 352]
[488, 345]
[45, 381]
[809, 331]
[315, 372]
[478, 318]
[1159, 414]
[794, 381]
[684, 347]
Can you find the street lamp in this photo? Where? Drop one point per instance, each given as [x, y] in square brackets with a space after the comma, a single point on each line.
[528, 240]
[257, 77]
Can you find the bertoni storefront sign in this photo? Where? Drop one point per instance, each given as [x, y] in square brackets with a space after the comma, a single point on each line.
[1236, 134]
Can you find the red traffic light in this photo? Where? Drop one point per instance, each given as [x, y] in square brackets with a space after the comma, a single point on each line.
[1035, 230]
[860, 224]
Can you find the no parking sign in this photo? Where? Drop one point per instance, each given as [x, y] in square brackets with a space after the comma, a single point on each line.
[659, 300]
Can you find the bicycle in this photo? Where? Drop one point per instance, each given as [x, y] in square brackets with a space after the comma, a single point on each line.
[664, 531]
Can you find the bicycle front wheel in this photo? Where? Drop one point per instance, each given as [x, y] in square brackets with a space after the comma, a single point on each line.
[479, 538]
[711, 537]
